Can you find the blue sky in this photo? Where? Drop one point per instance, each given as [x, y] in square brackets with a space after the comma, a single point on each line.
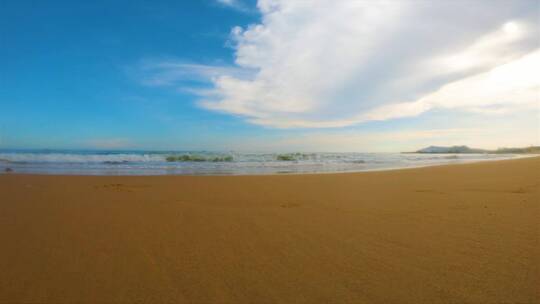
[272, 75]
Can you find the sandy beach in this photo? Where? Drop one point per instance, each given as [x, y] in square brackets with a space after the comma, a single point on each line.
[449, 234]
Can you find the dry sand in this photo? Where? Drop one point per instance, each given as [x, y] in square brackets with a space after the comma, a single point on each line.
[449, 234]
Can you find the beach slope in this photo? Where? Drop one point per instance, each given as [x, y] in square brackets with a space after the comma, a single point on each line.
[449, 234]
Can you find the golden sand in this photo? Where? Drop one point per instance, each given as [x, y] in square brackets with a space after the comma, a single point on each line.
[448, 234]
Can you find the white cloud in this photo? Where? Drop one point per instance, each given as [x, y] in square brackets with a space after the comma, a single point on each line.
[506, 88]
[236, 4]
[173, 72]
[326, 63]
[226, 2]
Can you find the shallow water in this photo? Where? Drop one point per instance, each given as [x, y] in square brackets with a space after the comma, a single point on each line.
[218, 163]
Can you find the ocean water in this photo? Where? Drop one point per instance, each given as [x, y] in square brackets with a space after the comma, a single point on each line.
[217, 163]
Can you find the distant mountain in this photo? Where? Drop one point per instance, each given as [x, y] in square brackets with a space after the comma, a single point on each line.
[465, 149]
[453, 149]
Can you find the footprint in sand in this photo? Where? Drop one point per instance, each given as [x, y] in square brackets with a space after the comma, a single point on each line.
[115, 187]
[429, 191]
[289, 205]
[519, 190]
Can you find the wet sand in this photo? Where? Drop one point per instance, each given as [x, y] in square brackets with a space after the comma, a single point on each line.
[449, 234]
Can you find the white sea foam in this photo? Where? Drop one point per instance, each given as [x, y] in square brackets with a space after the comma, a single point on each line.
[77, 157]
[155, 163]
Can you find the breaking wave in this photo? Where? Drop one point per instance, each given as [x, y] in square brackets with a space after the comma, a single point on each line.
[179, 162]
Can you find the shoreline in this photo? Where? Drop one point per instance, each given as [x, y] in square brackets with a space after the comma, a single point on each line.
[464, 233]
[462, 162]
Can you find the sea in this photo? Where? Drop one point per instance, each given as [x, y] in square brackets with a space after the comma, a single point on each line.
[112, 162]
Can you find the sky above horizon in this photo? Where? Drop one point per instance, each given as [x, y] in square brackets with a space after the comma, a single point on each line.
[269, 75]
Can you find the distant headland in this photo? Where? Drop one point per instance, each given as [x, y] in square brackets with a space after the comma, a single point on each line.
[465, 150]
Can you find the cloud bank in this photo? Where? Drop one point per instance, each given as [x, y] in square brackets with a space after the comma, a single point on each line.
[326, 63]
